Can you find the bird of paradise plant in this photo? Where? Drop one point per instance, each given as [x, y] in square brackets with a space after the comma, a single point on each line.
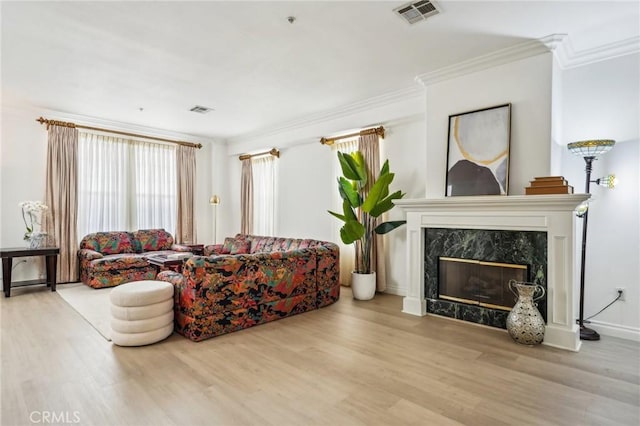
[372, 204]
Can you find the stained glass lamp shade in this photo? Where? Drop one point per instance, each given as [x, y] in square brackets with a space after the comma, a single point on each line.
[591, 148]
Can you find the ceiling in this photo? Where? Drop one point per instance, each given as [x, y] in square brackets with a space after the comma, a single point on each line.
[244, 59]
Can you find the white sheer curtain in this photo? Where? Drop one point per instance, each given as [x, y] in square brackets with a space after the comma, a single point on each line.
[347, 252]
[155, 186]
[264, 195]
[125, 185]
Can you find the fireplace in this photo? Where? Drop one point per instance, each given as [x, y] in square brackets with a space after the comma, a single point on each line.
[480, 283]
[505, 254]
[549, 215]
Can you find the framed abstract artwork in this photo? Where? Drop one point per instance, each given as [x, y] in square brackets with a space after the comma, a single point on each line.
[478, 152]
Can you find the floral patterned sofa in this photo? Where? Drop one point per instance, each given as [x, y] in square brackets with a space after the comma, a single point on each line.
[251, 281]
[108, 259]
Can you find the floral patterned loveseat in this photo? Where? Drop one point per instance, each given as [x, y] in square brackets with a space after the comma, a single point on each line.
[266, 279]
[108, 259]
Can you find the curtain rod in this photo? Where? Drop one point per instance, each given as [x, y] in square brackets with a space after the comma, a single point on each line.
[79, 126]
[272, 151]
[374, 130]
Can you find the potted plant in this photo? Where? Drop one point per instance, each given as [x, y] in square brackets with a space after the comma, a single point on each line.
[361, 229]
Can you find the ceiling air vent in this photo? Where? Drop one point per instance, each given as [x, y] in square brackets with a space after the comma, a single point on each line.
[417, 11]
[200, 109]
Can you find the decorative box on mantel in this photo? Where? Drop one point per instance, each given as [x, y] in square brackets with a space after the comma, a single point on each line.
[550, 214]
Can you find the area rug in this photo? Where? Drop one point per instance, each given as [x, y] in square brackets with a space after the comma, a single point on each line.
[92, 304]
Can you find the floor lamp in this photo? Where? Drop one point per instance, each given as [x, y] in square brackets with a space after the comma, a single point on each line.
[589, 150]
[214, 201]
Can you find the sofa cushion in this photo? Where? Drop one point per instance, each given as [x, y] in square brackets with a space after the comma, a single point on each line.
[235, 246]
[227, 245]
[262, 244]
[109, 242]
[284, 244]
[153, 240]
[241, 247]
[307, 243]
[116, 262]
[213, 249]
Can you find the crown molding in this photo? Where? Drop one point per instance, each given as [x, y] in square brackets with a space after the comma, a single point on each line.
[353, 108]
[499, 57]
[110, 124]
[569, 58]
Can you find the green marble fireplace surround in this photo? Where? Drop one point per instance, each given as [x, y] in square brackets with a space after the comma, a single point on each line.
[512, 247]
[535, 230]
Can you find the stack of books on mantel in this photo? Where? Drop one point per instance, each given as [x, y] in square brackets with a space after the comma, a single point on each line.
[549, 185]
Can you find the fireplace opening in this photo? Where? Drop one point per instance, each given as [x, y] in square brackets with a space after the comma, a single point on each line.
[476, 282]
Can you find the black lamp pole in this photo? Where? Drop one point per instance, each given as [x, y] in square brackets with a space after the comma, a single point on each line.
[585, 332]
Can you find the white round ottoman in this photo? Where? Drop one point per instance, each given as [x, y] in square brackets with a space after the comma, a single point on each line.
[141, 313]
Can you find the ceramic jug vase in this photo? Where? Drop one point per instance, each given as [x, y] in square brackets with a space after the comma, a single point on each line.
[525, 323]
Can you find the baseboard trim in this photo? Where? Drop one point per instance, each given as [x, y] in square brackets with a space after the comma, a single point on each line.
[615, 330]
[397, 291]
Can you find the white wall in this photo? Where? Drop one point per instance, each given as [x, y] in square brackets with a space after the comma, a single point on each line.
[557, 114]
[602, 101]
[23, 151]
[220, 179]
[23, 164]
[405, 147]
[304, 178]
[305, 185]
[526, 84]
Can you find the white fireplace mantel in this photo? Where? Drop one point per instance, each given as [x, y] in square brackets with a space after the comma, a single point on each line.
[553, 214]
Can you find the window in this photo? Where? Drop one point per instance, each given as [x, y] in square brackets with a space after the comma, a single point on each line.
[125, 185]
[264, 195]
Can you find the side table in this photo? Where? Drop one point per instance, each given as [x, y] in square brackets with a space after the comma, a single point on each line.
[7, 255]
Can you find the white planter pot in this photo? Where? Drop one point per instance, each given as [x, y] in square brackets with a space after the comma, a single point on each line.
[363, 285]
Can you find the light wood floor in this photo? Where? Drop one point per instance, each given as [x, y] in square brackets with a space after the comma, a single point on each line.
[350, 363]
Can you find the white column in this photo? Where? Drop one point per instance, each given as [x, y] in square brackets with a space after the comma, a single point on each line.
[415, 303]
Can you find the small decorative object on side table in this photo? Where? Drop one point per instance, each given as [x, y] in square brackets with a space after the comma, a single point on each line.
[32, 212]
[7, 255]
